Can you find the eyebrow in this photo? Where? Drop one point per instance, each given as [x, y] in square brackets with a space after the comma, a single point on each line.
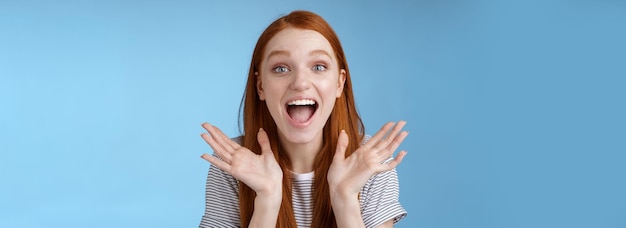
[286, 53]
[320, 52]
[277, 52]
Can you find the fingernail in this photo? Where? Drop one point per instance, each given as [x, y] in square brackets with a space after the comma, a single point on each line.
[261, 129]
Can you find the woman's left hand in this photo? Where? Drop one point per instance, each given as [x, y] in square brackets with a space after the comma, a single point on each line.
[347, 176]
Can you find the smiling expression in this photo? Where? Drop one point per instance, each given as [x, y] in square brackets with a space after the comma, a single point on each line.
[300, 80]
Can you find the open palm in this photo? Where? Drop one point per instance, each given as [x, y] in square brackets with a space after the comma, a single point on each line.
[260, 172]
[349, 174]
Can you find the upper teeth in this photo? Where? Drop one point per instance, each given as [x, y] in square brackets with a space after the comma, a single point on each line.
[302, 102]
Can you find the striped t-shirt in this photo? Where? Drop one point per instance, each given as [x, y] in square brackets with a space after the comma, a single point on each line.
[378, 199]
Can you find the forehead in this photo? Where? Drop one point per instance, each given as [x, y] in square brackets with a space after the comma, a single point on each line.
[295, 41]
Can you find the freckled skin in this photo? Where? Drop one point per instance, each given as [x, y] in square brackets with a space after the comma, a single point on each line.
[305, 67]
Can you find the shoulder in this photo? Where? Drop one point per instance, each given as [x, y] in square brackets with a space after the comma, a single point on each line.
[379, 197]
[387, 179]
[221, 181]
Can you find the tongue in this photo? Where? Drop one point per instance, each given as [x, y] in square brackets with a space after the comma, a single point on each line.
[301, 113]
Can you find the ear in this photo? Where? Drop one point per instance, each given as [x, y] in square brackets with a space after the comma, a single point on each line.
[341, 82]
[259, 86]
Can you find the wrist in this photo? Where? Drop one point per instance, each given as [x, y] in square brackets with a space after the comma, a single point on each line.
[342, 192]
[271, 198]
[266, 209]
[272, 195]
[347, 208]
[339, 197]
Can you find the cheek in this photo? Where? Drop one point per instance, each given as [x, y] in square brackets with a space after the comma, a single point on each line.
[272, 89]
[329, 90]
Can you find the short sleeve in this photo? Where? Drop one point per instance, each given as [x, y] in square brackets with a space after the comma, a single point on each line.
[380, 199]
[222, 200]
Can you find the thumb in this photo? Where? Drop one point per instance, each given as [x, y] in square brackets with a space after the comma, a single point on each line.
[264, 141]
[342, 144]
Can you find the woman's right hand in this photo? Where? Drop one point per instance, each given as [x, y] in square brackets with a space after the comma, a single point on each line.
[260, 172]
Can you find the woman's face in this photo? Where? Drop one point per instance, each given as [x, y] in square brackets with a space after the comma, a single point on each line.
[300, 79]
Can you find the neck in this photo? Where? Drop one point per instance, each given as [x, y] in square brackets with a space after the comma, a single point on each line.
[302, 155]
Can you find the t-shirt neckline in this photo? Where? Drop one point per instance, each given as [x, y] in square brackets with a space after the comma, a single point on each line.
[303, 176]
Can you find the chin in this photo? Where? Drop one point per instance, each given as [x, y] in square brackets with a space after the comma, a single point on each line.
[301, 137]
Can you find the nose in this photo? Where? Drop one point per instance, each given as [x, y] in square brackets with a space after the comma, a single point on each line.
[300, 80]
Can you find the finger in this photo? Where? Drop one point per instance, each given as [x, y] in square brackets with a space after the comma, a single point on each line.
[219, 151]
[342, 144]
[396, 129]
[397, 141]
[395, 162]
[217, 162]
[379, 135]
[387, 153]
[218, 137]
[264, 141]
[216, 146]
[226, 140]
[385, 144]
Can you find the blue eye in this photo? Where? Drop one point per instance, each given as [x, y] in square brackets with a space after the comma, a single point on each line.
[319, 67]
[280, 69]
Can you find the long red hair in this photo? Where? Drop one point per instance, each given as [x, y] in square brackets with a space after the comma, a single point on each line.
[254, 115]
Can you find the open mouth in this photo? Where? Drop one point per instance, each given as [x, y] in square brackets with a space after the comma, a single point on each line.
[301, 110]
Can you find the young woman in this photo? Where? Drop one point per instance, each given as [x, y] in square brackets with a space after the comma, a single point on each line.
[303, 159]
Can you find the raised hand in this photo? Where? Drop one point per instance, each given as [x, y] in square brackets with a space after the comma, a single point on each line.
[260, 172]
[347, 176]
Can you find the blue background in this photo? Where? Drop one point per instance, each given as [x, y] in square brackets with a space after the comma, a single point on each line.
[516, 108]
